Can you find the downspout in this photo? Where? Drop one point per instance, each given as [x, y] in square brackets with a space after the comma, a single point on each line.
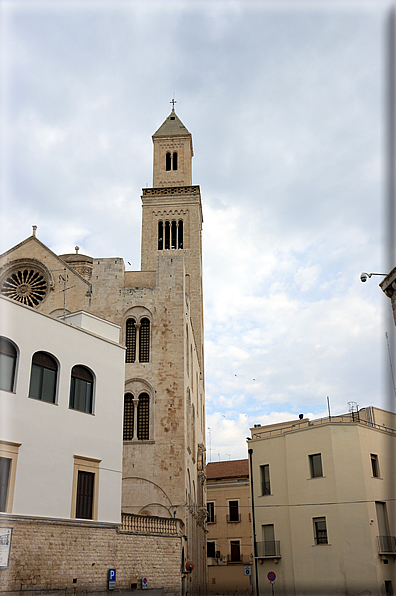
[250, 451]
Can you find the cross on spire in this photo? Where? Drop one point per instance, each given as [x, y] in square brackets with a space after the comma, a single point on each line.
[173, 101]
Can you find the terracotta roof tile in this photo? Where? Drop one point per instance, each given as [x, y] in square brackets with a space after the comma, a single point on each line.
[227, 469]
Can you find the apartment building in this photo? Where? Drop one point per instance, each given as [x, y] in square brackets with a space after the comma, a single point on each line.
[324, 504]
[229, 538]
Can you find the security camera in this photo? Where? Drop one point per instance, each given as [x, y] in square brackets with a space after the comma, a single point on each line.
[364, 277]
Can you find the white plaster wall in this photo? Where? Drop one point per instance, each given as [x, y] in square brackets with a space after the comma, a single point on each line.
[94, 324]
[50, 435]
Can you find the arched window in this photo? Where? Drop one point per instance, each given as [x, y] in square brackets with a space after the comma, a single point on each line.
[160, 235]
[143, 417]
[81, 389]
[8, 357]
[174, 233]
[168, 161]
[167, 235]
[180, 234]
[128, 417]
[144, 340]
[43, 377]
[130, 340]
[174, 160]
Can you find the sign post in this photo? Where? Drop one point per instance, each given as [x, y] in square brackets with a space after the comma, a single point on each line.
[112, 579]
[144, 583]
[271, 578]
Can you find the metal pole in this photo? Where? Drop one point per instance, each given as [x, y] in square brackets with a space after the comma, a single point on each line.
[250, 451]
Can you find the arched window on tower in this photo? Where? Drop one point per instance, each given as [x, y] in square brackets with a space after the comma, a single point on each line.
[173, 235]
[174, 160]
[167, 235]
[130, 340]
[180, 234]
[160, 235]
[168, 161]
[144, 340]
[143, 417]
[128, 417]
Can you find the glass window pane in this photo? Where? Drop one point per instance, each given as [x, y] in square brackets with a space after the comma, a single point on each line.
[7, 367]
[49, 385]
[35, 381]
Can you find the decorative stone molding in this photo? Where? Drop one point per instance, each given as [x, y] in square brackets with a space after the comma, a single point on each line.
[173, 190]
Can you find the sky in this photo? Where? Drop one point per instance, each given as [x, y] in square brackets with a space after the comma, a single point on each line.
[285, 102]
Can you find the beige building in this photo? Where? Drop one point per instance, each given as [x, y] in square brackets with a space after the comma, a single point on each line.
[229, 538]
[324, 504]
[160, 312]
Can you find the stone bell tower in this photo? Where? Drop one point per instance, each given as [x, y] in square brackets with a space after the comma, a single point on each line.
[172, 214]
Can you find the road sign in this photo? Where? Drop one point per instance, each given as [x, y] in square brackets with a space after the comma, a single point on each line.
[144, 583]
[271, 576]
[112, 579]
[247, 570]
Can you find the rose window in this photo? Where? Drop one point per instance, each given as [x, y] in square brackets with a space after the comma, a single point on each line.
[26, 285]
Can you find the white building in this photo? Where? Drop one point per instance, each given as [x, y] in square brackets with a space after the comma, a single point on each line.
[61, 414]
[324, 504]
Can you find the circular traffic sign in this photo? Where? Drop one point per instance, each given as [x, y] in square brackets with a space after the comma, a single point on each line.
[271, 576]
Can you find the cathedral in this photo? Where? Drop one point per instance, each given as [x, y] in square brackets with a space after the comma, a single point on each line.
[159, 311]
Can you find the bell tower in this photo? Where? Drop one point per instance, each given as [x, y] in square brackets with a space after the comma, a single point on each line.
[172, 214]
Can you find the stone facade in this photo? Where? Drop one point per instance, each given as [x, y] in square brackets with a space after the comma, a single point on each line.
[163, 472]
[54, 554]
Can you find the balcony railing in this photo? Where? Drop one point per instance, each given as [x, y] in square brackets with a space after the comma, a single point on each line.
[268, 550]
[242, 559]
[234, 518]
[386, 545]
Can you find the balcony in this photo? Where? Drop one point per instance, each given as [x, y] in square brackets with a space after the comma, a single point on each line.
[234, 517]
[241, 559]
[268, 550]
[386, 545]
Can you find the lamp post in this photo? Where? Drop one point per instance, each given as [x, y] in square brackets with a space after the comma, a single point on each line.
[250, 451]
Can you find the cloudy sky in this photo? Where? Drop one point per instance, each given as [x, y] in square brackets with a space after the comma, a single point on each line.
[285, 102]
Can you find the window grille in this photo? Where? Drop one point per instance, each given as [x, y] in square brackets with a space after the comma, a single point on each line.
[128, 417]
[144, 341]
[320, 530]
[8, 356]
[85, 489]
[130, 341]
[143, 417]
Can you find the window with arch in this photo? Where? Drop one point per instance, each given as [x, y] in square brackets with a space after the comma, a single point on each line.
[128, 417]
[170, 234]
[136, 417]
[130, 340]
[81, 389]
[43, 377]
[8, 358]
[171, 161]
[144, 340]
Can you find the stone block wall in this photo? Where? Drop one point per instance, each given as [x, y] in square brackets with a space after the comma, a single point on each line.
[57, 554]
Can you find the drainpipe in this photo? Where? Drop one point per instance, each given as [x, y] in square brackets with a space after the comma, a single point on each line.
[250, 451]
